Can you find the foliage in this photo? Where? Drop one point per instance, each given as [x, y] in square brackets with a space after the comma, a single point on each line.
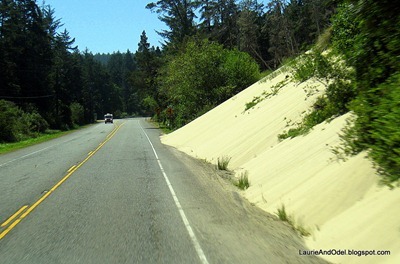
[322, 110]
[345, 31]
[376, 128]
[265, 95]
[269, 33]
[284, 216]
[41, 66]
[48, 135]
[243, 181]
[292, 26]
[143, 78]
[314, 64]
[17, 125]
[339, 93]
[77, 114]
[178, 16]
[44, 75]
[9, 114]
[203, 75]
[367, 33]
[223, 162]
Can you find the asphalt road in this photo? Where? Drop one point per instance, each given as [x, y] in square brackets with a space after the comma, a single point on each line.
[115, 194]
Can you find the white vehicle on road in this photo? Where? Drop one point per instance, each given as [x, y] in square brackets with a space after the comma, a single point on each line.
[108, 118]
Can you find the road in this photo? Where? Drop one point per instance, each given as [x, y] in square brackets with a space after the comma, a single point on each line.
[115, 194]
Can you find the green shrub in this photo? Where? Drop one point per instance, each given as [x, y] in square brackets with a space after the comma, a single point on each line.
[223, 162]
[282, 215]
[253, 103]
[239, 70]
[304, 68]
[202, 75]
[377, 129]
[340, 89]
[77, 114]
[339, 95]
[322, 111]
[9, 121]
[265, 95]
[360, 33]
[345, 31]
[324, 40]
[18, 125]
[243, 181]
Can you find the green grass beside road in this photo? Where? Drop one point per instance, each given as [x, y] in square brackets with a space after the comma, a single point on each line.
[8, 147]
[49, 135]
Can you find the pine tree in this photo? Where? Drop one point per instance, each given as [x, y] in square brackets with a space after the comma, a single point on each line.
[178, 15]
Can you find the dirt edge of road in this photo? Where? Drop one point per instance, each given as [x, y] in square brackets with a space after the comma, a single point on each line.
[285, 242]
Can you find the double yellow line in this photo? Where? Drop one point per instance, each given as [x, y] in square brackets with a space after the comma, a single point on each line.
[25, 210]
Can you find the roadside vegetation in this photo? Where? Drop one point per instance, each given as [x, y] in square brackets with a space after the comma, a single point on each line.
[328, 69]
[17, 125]
[202, 61]
[284, 216]
[243, 181]
[223, 162]
[20, 129]
[39, 138]
[266, 94]
[360, 68]
[354, 49]
[200, 77]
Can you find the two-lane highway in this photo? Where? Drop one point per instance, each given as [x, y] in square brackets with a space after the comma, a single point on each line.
[28, 173]
[115, 194]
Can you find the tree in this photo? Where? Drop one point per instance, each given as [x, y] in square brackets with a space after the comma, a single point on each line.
[143, 77]
[201, 76]
[219, 21]
[25, 49]
[127, 89]
[249, 26]
[64, 79]
[178, 15]
[373, 49]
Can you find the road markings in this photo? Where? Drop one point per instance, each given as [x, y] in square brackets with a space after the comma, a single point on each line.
[70, 169]
[9, 220]
[14, 216]
[27, 155]
[69, 173]
[189, 229]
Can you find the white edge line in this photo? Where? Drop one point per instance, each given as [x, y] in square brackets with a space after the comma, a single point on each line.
[196, 243]
[32, 153]
[26, 155]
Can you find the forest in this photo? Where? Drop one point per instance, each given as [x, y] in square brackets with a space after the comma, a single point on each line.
[47, 82]
[212, 50]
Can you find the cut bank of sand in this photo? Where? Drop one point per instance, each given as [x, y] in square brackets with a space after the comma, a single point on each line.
[340, 203]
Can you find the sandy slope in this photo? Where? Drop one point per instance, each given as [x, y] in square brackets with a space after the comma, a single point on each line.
[340, 203]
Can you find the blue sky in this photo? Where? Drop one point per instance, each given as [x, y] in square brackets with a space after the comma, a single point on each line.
[106, 26]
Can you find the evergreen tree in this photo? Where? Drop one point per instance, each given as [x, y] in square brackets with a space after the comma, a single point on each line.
[249, 26]
[178, 15]
[219, 21]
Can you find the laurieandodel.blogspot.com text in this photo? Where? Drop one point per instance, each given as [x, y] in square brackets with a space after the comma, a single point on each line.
[344, 252]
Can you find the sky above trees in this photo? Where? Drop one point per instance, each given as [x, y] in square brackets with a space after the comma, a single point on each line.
[105, 26]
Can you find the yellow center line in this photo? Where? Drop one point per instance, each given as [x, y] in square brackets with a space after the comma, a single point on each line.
[5, 232]
[13, 216]
[70, 169]
[70, 172]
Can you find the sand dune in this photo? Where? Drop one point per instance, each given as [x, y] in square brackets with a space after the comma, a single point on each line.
[340, 203]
